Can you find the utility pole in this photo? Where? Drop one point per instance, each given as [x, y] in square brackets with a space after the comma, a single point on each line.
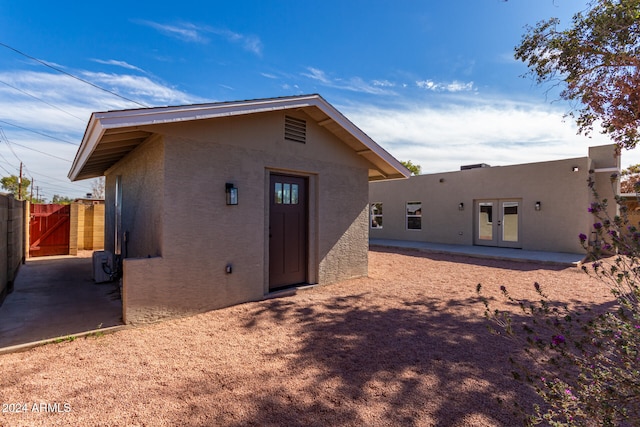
[20, 183]
[32, 181]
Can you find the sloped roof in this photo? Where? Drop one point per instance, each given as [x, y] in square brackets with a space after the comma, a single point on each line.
[112, 135]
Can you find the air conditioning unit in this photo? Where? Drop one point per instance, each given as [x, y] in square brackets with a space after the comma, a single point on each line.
[103, 267]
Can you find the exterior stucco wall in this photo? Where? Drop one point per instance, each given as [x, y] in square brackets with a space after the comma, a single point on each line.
[562, 192]
[13, 233]
[603, 158]
[4, 254]
[201, 235]
[142, 178]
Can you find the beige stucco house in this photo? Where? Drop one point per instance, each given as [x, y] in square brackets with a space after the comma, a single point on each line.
[537, 206]
[216, 204]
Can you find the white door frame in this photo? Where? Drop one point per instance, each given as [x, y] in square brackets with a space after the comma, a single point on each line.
[497, 222]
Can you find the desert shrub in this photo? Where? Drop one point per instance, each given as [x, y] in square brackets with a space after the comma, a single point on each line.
[583, 362]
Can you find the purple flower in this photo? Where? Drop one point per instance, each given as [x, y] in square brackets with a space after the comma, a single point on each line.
[597, 225]
[583, 237]
[557, 339]
[568, 393]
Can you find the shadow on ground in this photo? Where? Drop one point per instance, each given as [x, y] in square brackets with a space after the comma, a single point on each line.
[362, 364]
[417, 358]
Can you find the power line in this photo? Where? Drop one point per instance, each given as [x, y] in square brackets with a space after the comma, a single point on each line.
[5, 159]
[41, 100]
[50, 177]
[5, 169]
[6, 140]
[39, 133]
[3, 136]
[72, 76]
[41, 152]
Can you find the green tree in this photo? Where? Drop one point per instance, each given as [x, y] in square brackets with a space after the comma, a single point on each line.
[596, 61]
[11, 184]
[415, 169]
[630, 179]
[61, 200]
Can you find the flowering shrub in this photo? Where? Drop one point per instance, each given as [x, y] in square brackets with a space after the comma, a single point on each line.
[585, 365]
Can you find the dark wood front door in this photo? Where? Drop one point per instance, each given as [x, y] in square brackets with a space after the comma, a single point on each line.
[287, 231]
[49, 229]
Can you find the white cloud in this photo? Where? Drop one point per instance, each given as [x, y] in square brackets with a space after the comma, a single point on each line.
[67, 106]
[454, 86]
[122, 64]
[316, 74]
[497, 132]
[353, 84]
[190, 32]
[183, 31]
[252, 44]
[383, 83]
[141, 88]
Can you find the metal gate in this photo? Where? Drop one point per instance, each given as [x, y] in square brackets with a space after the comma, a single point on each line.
[49, 227]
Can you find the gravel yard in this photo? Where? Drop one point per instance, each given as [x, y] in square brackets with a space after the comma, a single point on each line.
[407, 346]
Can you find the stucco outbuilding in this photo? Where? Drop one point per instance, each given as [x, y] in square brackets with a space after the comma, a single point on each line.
[216, 204]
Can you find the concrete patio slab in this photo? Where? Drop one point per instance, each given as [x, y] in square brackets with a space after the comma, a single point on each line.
[487, 252]
[54, 297]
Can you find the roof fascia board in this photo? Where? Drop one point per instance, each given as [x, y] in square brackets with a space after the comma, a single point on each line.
[100, 122]
[362, 137]
[88, 145]
[161, 115]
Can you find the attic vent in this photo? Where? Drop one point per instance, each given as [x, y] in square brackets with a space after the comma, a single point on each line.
[295, 129]
[476, 166]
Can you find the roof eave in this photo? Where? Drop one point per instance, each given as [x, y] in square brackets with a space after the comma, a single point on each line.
[92, 136]
[99, 123]
[402, 171]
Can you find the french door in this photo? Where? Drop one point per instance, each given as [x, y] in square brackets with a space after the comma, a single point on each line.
[497, 223]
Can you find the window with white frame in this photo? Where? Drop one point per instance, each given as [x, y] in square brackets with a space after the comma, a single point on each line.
[375, 215]
[414, 215]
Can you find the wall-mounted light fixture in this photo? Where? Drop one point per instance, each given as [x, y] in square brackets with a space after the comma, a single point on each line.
[232, 194]
[460, 206]
[538, 206]
[441, 179]
[575, 169]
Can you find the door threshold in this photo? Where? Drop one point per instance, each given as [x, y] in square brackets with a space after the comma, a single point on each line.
[288, 291]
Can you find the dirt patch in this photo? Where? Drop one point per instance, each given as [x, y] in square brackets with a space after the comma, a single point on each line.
[406, 346]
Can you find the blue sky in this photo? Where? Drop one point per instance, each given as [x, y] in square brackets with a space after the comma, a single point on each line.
[434, 82]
